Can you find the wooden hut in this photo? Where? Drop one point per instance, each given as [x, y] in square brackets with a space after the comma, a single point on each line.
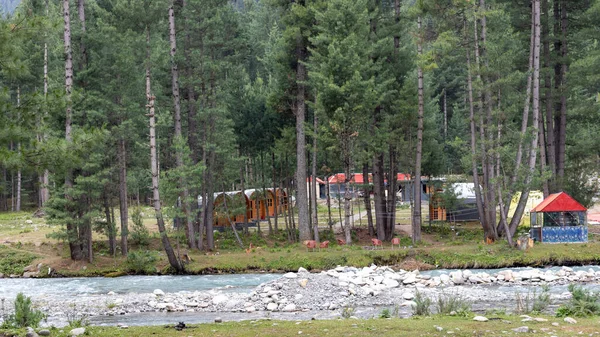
[222, 209]
[257, 204]
[558, 219]
[281, 200]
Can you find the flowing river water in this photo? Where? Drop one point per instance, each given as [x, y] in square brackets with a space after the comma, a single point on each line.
[78, 294]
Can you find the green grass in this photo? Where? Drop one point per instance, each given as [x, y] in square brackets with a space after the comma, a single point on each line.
[12, 261]
[422, 326]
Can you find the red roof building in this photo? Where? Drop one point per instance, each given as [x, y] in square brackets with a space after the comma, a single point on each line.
[559, 218]
[559, 202]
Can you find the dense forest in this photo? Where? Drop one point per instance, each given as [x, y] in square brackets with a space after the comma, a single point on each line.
[112, 103]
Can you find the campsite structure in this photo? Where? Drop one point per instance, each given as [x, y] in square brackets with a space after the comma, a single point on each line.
[235, 207]
[559, 219]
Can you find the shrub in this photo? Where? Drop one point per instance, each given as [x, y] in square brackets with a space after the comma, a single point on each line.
[583, 303]
[139, 233]
[24, 315]
[422, 305]
[385, 313]
[452, 303]
[533, 302]
[141, 262]
[347, 312]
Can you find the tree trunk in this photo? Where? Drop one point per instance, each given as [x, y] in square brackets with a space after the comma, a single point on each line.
[210, 188]
[243, 191]
[82, 47]
[475, 172]
[416, 218]
[237, 237]
[379, 196]
[110, 226]
[184, 194]
[490, 204]
[391, 197]
[367, 199]
[18, 204]
[347, 199]
[329, 219]
[315, 217]
[173, 260]
[277, 200]
[523, 133]
[44, 180]
[302, 197]
[123, 208]
[535, 124]
[74, 247]
[563, 97]
[550, 143]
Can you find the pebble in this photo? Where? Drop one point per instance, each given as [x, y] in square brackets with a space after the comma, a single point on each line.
[570, 320]
[218, 320]
[521, 329]
[480, 319]
[158, 292]
[77, 332]
[44, 332]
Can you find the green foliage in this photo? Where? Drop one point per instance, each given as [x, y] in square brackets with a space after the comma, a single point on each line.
[141, 262]
[24, 315]
[385, 313]
[447, 304]
[583, 303]
[347, 312]
[422, 305]
[14, 261]
[138, 234]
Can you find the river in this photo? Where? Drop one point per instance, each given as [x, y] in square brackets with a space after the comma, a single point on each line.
[69, 298]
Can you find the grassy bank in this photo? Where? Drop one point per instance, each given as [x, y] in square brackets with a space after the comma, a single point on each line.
[426, 326]
[444, 246]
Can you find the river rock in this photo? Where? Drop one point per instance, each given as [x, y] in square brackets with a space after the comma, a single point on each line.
[302, 270]
[521, 329]
[272, 306]
[44, 332]
[410, 279]
[570, 320]
[31, 334]
[290, 275]
[475, 279]
[444, 278]
[290, 307]
[480, 319]
[411, 304]
[389, 283]
[457, 279]
[232, 304]
[408, 296]
[29, 274]
[219, 299]
[218, 320]
[303, 282]
[158, 292]
[77, 332]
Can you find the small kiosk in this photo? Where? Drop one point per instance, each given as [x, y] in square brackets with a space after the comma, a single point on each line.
[559, 219]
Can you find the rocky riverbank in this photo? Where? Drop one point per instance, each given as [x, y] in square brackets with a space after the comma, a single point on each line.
[326, 294]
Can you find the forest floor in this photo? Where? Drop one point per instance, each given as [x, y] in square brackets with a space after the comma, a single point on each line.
[24, 241]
